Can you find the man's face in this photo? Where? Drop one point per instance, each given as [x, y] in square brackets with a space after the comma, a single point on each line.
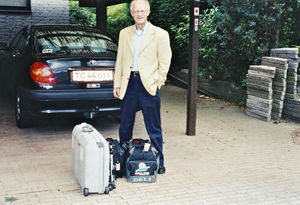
[140, 12]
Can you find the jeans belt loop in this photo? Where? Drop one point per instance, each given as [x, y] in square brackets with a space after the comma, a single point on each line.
[135, 73]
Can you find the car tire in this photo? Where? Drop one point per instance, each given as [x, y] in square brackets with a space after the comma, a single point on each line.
[21, 120]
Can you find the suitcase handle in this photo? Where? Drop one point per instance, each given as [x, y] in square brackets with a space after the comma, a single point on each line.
[87, 128]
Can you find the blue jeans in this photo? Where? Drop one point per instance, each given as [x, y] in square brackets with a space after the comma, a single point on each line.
[137, 98]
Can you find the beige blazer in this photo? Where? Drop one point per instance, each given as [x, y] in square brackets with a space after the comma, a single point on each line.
[153, 59]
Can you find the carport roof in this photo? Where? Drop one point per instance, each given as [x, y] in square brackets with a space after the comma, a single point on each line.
[93, 3]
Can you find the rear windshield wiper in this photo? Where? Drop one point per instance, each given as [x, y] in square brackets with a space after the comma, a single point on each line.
[64, 49]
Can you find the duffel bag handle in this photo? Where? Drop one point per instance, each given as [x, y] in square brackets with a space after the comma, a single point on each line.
[138, 143]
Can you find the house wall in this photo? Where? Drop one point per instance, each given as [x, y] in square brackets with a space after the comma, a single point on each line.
[42, 12]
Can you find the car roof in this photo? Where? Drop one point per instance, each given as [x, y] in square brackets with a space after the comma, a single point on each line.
[72, 27]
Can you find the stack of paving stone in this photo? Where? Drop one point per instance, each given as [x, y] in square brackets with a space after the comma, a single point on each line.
[291, 104]
[279, 83]
[298, 84]
[292, 55]
[259, 91]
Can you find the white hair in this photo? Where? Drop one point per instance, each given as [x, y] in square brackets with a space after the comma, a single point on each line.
[133, 1]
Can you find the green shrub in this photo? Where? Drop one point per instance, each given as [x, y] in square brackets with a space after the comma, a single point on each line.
[167, 14]
[236, 33]
[118, 17]
[82, 15]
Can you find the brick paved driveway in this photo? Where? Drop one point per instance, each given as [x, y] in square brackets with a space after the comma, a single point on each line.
[234, 159]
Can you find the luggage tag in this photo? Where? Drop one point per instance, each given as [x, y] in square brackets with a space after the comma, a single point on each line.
[146, 147]
[118, 166]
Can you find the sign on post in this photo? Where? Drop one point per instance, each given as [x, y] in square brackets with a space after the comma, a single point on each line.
[196, 11]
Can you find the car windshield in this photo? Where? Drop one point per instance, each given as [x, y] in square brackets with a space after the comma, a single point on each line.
[73, 43]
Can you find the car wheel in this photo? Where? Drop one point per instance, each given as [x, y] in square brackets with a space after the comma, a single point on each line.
[21, 120]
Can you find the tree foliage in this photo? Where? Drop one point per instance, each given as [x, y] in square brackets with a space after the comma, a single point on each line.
[82, 15]
[118, 17]
[290, 32]
[166, 14]
[236, 33]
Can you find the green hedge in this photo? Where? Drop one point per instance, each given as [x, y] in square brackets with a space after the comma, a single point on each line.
[236, 33]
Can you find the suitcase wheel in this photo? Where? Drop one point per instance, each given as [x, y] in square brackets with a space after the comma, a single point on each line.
[85, 191]
[107, 189]
[112, 186]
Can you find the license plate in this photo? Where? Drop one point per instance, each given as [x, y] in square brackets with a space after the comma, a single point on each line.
[92, 75]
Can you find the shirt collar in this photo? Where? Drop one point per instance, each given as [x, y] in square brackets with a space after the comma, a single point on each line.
[141, 32]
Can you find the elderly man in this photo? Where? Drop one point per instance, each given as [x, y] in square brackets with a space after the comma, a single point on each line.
[143, 61]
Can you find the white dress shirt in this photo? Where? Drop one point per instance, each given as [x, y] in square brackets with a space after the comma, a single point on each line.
[137, 43]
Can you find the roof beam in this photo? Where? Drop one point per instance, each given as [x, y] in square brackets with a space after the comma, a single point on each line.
[93, 3]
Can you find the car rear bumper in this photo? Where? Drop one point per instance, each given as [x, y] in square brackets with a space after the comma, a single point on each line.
[44, 102]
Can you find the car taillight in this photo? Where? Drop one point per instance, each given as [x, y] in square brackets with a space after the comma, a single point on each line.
[41, 73]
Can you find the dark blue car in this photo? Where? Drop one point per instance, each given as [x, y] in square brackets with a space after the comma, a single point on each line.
[59, 69]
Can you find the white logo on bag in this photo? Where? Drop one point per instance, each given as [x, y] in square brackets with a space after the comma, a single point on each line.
[142, 170]
[144, 179]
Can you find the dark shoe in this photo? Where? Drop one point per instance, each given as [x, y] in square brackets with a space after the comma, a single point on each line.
[161, 170]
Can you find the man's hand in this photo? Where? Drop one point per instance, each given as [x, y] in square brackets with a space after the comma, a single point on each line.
[117, 92]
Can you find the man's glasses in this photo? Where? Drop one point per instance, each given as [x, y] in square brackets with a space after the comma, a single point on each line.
[143, 12]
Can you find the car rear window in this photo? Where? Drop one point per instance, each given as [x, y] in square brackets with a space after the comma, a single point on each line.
[73, 43]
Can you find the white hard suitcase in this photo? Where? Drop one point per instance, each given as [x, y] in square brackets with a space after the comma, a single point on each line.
[91, 160]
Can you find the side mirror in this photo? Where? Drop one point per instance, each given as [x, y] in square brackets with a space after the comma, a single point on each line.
[3, 46]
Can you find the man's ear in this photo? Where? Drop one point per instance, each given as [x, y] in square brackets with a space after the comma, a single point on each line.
[148, 13]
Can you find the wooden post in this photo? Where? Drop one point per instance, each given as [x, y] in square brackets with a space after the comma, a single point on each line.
[101, 15]
[193, 68]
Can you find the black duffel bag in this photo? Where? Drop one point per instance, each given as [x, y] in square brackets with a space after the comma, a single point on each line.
[142, 161]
